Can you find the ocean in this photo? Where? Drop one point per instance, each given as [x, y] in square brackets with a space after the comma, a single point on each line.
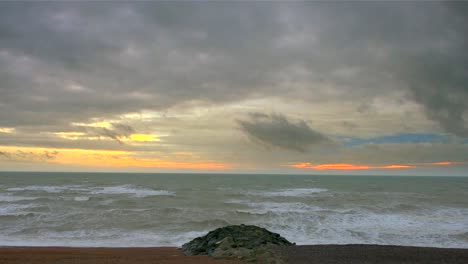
[125, 209]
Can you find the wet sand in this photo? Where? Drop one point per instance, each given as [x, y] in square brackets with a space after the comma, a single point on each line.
[323, 254]
[64, 255]
[366, 254]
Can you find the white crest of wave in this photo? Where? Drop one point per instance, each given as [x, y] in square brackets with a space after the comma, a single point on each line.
[290, 192]
[81, 198]
[49, 189]
[274, 207]
[103, 238]
[131, 189]
[12, 198]
[439, 226]
[14, 209]
[116, 189]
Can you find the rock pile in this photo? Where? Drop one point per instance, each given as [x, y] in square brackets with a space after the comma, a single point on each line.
[246, 242]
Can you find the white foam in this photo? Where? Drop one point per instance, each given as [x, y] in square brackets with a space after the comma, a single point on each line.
[116, 189]
[49, 189]
[12, 198]
[131, 189]
[103, 238]
[81, 198]
[14, 209]
[297, 192]
[439, 227]
[273, 207]
[302, 215]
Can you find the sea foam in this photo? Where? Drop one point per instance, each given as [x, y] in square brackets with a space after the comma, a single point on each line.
[168, 210]
[132, 190]
[12, 198]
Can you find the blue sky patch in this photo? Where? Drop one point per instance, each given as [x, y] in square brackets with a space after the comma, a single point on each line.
[400, 138]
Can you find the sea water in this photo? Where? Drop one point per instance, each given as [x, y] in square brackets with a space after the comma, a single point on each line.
[124, 209]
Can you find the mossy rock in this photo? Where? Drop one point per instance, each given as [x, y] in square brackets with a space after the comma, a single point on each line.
[245, 242]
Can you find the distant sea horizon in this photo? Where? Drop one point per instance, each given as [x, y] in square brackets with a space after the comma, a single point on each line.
[126, 209]
[228, 172]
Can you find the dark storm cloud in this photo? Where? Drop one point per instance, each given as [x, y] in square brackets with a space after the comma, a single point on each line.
[68, 62]
[415, 47]
[276, 130]
[442, 87]
[437, 72]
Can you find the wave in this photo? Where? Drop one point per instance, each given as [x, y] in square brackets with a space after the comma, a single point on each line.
[441, 227]
[290, 192]
[298, 222]
[274, 207]
[81, 198]
[131, 189]
[118, 214]
[48, 189]
[208, 223]
[297, 192]
[104, 238]
[12, 198]
[15, 209]
[117, 189]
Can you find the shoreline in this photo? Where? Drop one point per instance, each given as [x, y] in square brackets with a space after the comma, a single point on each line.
[371, 253]
[336, 254]
[98, 255]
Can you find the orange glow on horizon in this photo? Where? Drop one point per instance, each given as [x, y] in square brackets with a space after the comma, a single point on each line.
[125, 161]
[102, 158]
[395, 166]
[443, 163]
[303, 165]
[345, 166]
[340, 166]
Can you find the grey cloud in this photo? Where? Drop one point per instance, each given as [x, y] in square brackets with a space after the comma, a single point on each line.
[417, 48]
[117, 132]
[276, 130]
[435, 71]
[156, 55]
[21, 155]
[442, 87]
[50, 154]
[348, 125]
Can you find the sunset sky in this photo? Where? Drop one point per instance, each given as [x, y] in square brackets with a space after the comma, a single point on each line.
[262, 87]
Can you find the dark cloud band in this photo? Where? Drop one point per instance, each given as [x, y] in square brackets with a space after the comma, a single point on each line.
[277, 131]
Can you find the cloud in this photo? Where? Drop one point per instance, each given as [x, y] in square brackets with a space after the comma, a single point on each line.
[21, 155]
[400, 138]
[155, 55]
[51, 154]
[435, 72]
[115, 131]
[440, 84]
[75, 62]
[277, 131]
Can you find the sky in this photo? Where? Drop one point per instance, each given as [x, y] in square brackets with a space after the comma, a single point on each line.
[260, 87]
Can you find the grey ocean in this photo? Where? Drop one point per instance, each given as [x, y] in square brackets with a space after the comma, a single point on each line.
[107, 209]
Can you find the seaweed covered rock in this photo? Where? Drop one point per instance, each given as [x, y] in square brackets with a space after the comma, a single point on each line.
[238, 241]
